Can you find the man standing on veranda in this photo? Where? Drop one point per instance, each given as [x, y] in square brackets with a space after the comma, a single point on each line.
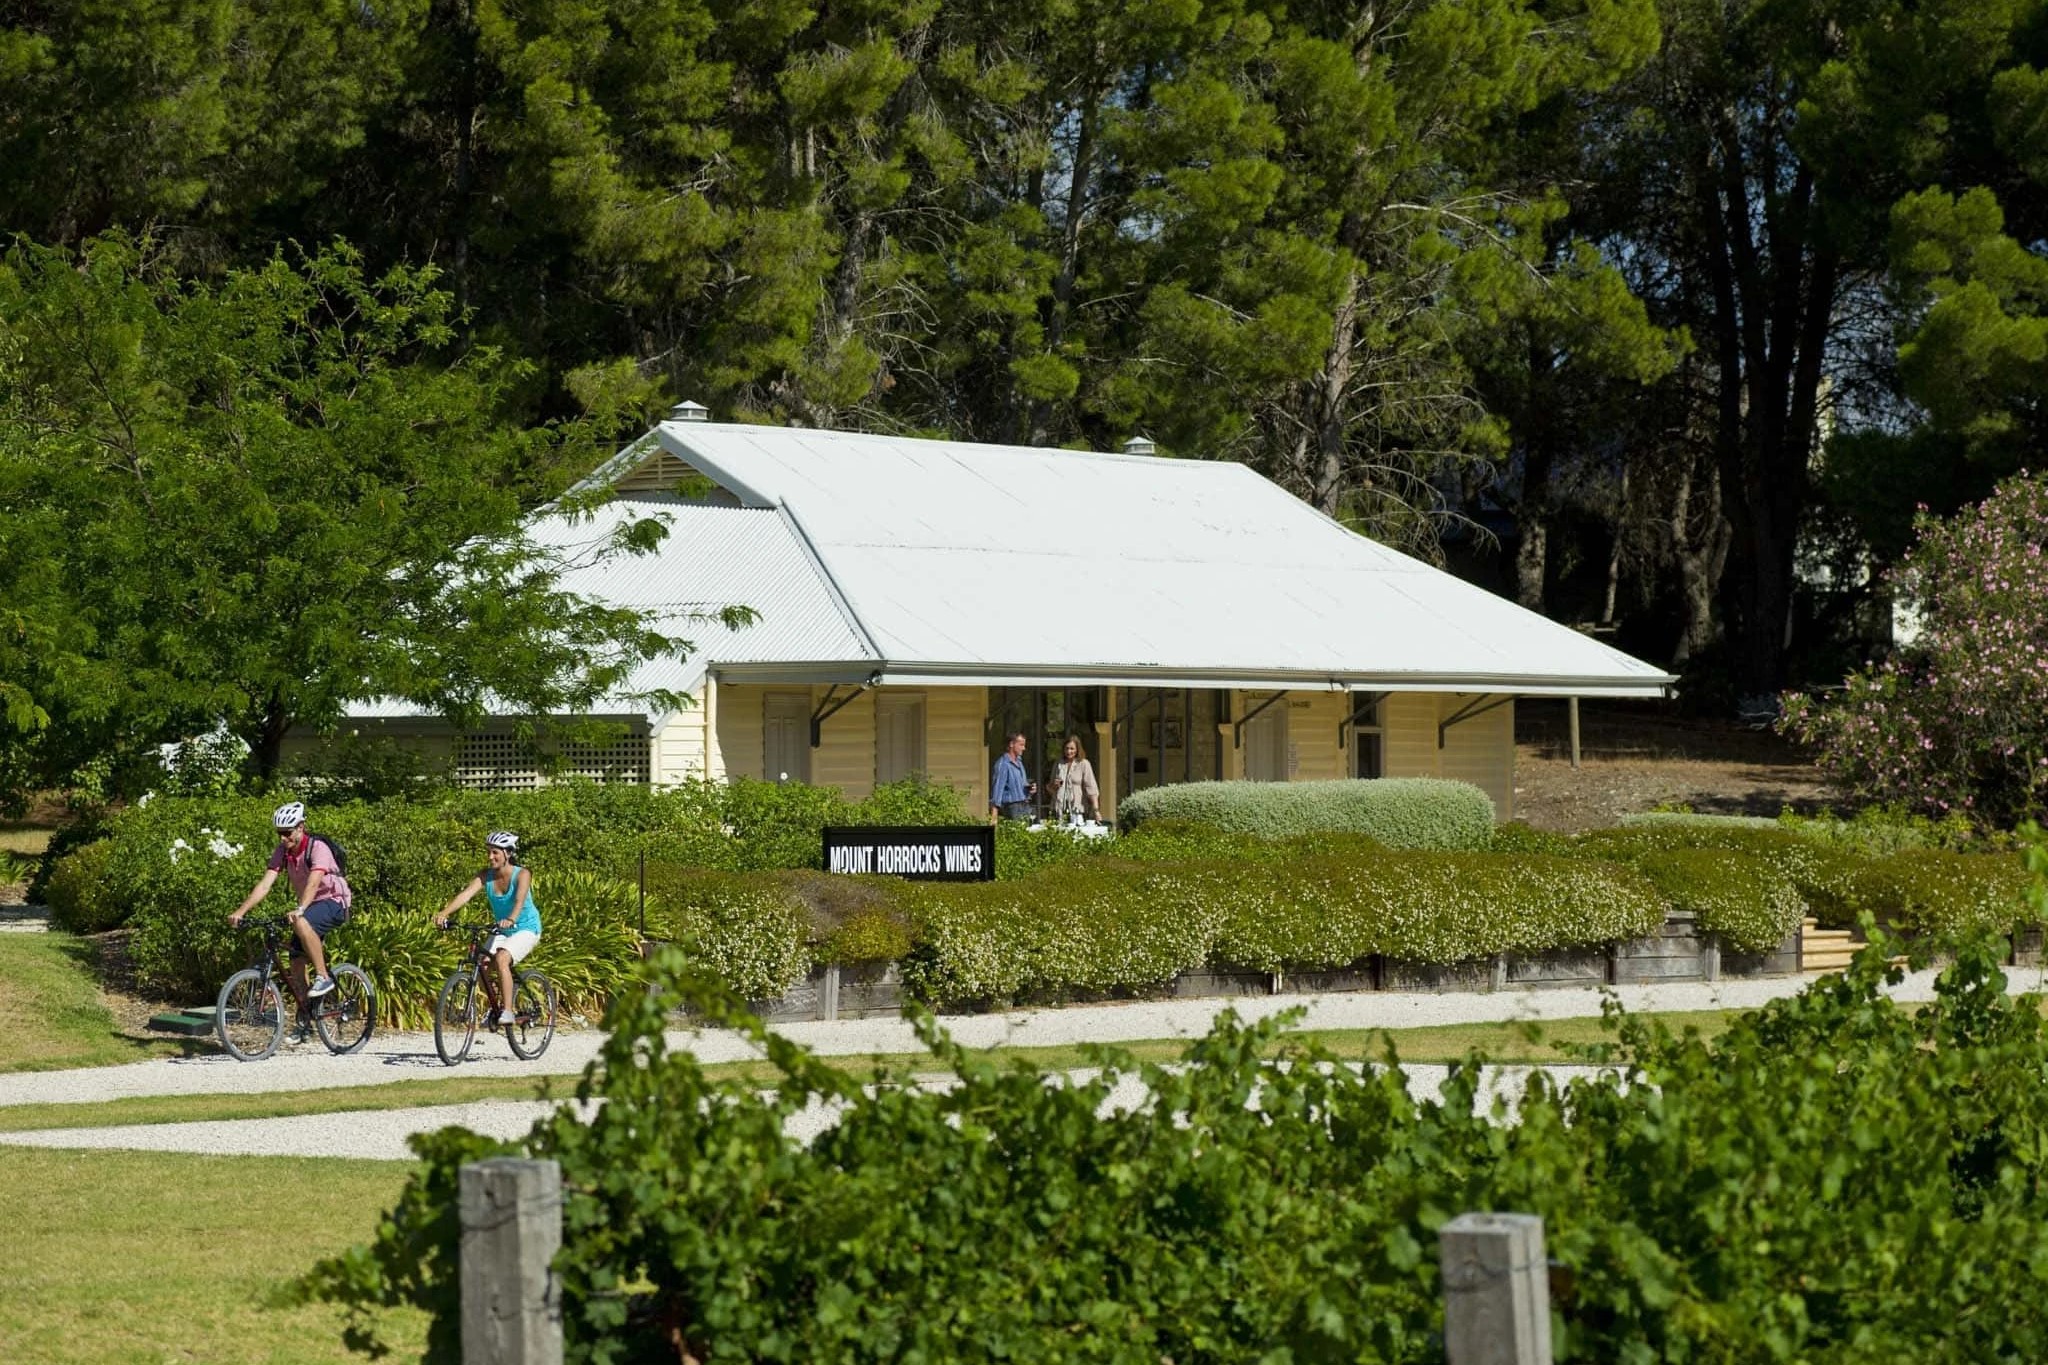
[1009, 788]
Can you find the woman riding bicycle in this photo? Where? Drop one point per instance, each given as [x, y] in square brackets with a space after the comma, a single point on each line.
[509, 889]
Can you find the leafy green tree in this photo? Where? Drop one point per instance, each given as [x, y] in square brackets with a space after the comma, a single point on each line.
[253, 503]
[211, 118]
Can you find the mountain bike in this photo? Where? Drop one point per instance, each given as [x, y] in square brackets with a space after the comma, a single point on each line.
[529, 1029]
[249, 1015]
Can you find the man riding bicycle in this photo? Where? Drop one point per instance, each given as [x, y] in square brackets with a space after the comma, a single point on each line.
[324, 896]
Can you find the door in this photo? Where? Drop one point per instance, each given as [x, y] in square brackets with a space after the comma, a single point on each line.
[786, 737]
[1368, 741]
[1265, 744]
[899, 737]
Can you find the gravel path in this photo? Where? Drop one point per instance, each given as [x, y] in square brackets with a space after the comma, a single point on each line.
[401, 1057]
[381, 1134]
[24, 919]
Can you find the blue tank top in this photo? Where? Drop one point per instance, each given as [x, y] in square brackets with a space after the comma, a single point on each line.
[501, 903]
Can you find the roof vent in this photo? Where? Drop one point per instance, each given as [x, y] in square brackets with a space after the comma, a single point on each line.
[1140, 445]
[686, 411]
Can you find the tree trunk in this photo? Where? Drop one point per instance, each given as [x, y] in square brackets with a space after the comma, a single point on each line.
[268, 745]
[1078, 190]
[1701, 553]
[1772, 316]
[1534, 511]
[1614, 555]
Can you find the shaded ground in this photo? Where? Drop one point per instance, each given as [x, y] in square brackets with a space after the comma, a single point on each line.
[1637, 756]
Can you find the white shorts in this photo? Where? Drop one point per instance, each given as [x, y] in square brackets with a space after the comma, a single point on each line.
[518, 944]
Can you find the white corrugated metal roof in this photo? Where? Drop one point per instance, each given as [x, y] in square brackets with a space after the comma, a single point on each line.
[713, 557]
[994, 563]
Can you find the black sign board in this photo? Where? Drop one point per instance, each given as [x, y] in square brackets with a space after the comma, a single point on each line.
[927, 853]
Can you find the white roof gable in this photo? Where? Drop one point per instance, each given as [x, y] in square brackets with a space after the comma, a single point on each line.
[997, 563]
[713, 557]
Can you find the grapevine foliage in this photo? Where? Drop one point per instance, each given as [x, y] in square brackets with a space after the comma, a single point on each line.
[1835, 1178]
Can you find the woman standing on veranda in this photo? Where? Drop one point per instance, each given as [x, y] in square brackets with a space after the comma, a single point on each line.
[1074, 791]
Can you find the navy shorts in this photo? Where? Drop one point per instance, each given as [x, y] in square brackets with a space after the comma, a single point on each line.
[325, 916]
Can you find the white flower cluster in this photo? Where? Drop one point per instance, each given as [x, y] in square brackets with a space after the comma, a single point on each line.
[216, 843]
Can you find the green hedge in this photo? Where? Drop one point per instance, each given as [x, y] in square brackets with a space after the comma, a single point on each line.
[1325, 912]
[1935, 891]
[749, 931]
[1825, 876]
[1401, 812]
[1111, 924]
[1752, 904]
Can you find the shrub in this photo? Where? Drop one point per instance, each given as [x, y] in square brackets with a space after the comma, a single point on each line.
[1428, 907]
[913, 801]
[1694, 820]
[15, 867]
[82, 831]
[1934, 891]
[1023, 852]
[1519, 837]
[76, 892]
[1878, 830]
[1958, 721]
[1401, 812]
[589, 944]
[749, 932]
[408, 960]
[1749, 902]
[1825, 876]
[851, 918]
[1087, 926]
[1108, 924]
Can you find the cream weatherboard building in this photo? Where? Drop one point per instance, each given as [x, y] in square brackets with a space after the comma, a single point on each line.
[919, 600]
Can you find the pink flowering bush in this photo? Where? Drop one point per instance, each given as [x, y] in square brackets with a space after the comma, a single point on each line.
[1958, 721]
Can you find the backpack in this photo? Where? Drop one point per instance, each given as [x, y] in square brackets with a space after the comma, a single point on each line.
[334, 851]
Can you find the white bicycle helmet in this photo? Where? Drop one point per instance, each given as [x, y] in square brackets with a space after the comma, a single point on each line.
[504, 839]
[290, 815]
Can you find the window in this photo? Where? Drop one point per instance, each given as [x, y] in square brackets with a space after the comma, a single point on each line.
[899, 737]
[786, 737]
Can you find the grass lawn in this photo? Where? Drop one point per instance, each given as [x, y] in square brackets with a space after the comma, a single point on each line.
[50, 1010]
[135, 1258]
[30, 840]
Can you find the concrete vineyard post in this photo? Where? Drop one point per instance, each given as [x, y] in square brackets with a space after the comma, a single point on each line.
[1496, 1290]
[511, 1213]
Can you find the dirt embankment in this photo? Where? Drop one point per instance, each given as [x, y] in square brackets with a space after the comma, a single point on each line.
[1635, 757]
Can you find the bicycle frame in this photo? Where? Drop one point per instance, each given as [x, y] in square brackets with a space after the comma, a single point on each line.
[273, 959]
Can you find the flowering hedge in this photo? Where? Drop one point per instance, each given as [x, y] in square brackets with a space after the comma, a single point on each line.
[1401, 812]
[1958, 721]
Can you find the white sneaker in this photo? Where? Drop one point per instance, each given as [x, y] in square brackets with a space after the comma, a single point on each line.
[321, 986]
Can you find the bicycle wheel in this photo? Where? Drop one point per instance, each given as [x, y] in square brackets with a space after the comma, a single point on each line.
[533, 1015]
[455, 1018]
[249, 1015]
[347, 1014]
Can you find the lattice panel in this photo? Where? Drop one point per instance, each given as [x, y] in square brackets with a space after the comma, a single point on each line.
[494, 763]
[623, 760]
[499, 762]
